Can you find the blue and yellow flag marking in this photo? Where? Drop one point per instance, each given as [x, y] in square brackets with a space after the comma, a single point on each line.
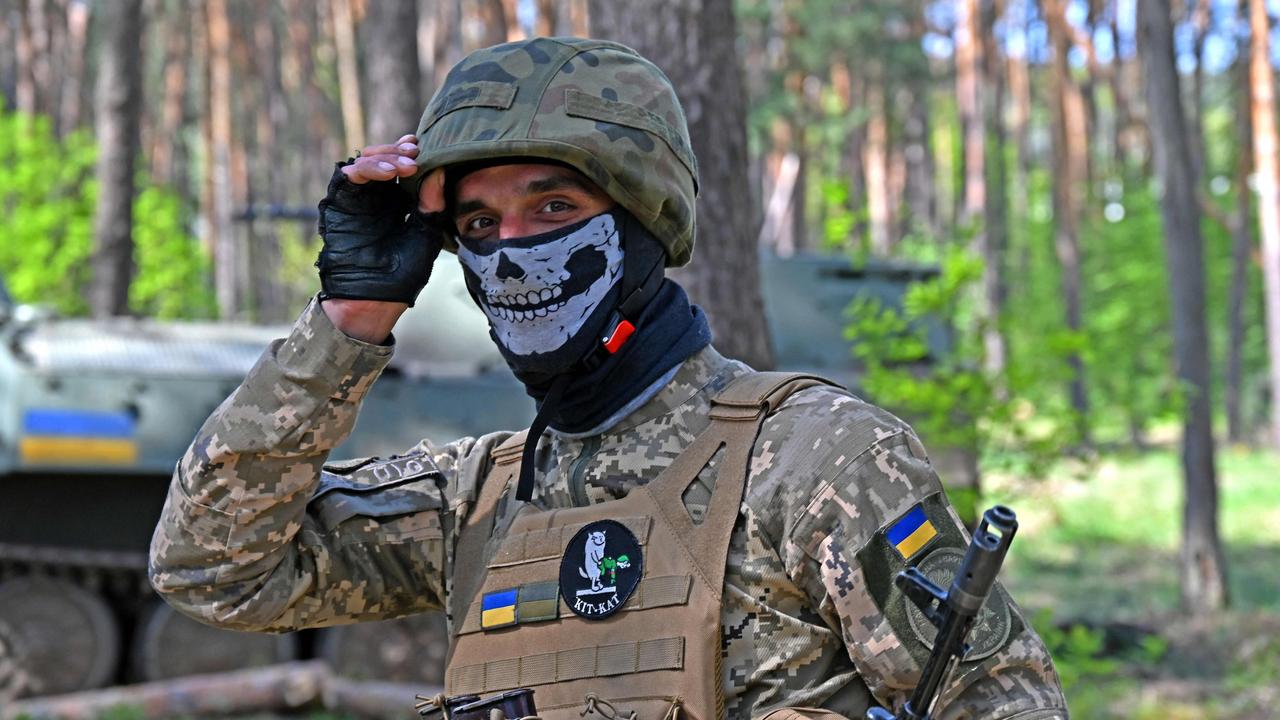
[55, 436]
[498, 608]
[911, 532]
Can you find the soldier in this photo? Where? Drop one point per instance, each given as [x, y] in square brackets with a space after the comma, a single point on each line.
[675, 534]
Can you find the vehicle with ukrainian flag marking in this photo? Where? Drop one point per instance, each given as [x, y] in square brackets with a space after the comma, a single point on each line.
[94, 414]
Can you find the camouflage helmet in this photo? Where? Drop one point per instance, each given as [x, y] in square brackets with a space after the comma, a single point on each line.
[594, 105]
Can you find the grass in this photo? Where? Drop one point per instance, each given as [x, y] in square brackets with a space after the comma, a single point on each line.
[1096, 563]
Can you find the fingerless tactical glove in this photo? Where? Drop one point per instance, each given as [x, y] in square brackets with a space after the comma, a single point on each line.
[377, 245]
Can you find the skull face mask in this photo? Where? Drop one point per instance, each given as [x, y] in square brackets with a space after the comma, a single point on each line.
[546, 296]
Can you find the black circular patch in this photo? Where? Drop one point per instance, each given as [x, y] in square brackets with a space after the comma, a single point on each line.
[990, 629]
[600, 569]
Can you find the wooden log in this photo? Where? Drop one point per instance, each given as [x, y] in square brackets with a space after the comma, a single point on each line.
[285, 687]
[278, 687]
[371, 699]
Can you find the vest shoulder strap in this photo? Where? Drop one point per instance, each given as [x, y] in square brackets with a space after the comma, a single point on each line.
[509, 450]
[749, 395]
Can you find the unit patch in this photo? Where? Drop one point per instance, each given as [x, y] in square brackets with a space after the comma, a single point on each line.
[600, 569]
[990, 630]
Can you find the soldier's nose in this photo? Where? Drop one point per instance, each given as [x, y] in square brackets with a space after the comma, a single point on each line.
[508, 270]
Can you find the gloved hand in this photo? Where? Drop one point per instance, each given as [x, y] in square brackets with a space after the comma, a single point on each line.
[377, 244]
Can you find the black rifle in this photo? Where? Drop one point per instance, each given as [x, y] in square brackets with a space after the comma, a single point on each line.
[954, 610]
[513, 704]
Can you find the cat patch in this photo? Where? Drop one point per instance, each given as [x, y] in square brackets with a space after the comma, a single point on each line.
[600, 568]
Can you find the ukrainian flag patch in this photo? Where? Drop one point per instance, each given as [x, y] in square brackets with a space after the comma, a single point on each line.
[911, 532]
[498, 608]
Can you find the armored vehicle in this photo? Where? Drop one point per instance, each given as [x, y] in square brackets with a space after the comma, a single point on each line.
[94, 415]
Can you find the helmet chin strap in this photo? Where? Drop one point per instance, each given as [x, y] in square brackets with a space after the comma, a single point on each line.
[618, 331]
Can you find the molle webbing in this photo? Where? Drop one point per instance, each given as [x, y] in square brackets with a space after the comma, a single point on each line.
[573, 664]
[549, 543]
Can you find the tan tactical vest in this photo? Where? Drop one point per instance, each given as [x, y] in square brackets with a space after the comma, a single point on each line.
[657, 655]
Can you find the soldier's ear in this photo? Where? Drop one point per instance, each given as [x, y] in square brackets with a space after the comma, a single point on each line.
[431, 197]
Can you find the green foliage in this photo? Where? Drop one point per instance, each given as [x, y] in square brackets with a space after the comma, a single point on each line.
[1076, 650]
[1020, 416]
[47, 201]
[1126, 340]
[46, 212]
[172, 270]
[948, 392]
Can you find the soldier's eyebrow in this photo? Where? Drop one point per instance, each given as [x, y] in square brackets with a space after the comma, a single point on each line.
[567, 181]
[468, 206]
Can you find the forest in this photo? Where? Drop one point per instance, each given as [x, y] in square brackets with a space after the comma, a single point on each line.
[1096, 182]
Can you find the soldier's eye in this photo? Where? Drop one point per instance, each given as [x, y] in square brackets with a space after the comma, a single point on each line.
[478, 223]
[556, 206]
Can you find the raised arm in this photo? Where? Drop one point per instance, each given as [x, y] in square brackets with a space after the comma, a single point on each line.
[254, 535]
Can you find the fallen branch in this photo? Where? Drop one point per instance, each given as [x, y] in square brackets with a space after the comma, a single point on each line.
[276, 688]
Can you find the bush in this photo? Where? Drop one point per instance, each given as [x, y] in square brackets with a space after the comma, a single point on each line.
[47, 201]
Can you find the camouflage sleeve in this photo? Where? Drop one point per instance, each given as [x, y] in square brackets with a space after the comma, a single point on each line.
[254, 535]
[873, 506]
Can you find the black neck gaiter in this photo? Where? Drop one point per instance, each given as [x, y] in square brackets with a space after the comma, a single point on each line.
[668, 331]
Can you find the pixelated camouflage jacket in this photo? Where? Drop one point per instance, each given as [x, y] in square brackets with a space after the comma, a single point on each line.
[256, 536]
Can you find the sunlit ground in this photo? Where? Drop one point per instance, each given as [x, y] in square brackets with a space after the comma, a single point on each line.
[1096, 563]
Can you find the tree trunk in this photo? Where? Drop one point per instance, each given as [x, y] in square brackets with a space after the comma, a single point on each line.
[969, 107]
[511, 15]
[228, 254]
[73, 78]
[693, 42]
[344, 40]
[390, 32]
[921, 194]
[995, 225]
[493, 21]
[448, 38]
[167, 139]
[41, 71]
[1203, 568]
[1267, 166]
[119, 101]
[1200, 25]
[314, 111]
[1069, 173]
[9, 28]
[1020, 122]
[546, 24]
[1088, 96]
[579, 18]
[875, 164]
[776, 228]
[24, 51]
[1122, 141]
[267, 160]
[1241, 244]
